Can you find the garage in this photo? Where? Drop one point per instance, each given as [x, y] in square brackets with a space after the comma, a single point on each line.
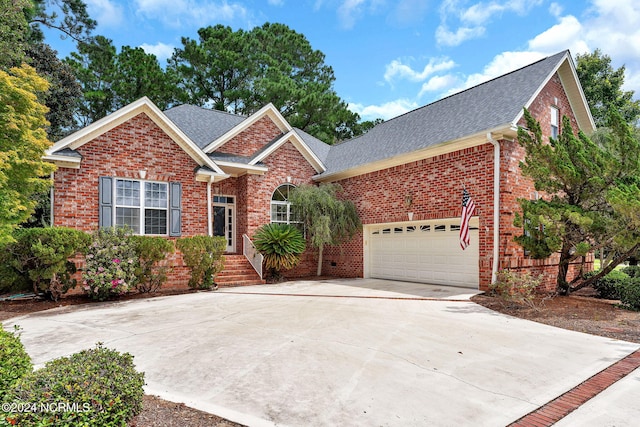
[423, 251]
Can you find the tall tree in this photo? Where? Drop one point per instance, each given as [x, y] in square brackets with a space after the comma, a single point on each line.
[583, 206]
[64, 90]
[23, 140]
[242, 71]
[94, 65]
[327, 219]
[14, 30]
[216, 69]
[602, 87]
[69, 17]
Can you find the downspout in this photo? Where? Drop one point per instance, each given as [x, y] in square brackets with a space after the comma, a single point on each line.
[496, 205]
[209, 218]
[51, 193]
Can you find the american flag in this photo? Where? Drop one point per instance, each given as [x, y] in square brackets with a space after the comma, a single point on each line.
[467, 211]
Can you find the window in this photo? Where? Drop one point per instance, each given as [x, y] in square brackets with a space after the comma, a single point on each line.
[281, 209]
[554, 122]
[142, 206]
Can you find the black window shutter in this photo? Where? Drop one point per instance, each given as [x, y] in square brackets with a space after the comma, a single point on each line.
[175, 209]
[105, 195]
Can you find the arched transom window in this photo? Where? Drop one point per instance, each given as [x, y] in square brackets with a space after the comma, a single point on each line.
[281, 210]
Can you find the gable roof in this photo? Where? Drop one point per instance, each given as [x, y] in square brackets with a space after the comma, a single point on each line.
[493, 106]
[62, 149]
[203, 125]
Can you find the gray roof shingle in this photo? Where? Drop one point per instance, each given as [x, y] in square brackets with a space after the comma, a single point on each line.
[320, 149]
[487, 106]
[202, 125]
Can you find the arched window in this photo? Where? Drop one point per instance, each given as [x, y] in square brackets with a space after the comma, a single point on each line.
[281, 210]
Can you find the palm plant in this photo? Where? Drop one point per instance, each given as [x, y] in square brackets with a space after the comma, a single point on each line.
[281, 245]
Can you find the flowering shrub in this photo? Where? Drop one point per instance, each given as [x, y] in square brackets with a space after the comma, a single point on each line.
[111, 264]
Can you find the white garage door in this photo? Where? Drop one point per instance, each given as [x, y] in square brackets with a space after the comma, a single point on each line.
[425, 251]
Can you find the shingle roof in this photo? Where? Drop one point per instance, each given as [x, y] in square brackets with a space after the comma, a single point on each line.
[319, 148]
[489, 105]
[202, 125]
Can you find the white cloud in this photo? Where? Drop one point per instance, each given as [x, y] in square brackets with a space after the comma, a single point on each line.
[349, 11]
[385, 111]
[106, 12]
[194, 13]
[449, 38]
[397, 70]
[160, 50]
[564, 35]
[437, 83]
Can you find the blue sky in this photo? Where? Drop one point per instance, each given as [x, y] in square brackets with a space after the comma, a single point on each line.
[390, 57]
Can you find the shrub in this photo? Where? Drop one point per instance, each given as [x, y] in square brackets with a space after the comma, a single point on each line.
[151, 251]
[14, 360]
[632, 271]
[203, 256]
[39, 258]
[607, 286]
[95, 387]
[111, 264]
[629, 292]
[515, 287]
[281, 245]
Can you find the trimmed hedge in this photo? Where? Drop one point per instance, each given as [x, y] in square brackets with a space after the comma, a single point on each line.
[203, 256]
[607, 286]
[96, 387]
[629, 292]
[14, 360]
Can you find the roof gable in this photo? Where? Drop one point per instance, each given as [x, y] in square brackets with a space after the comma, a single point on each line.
[457, 120]
[202, 125]
[143, 105]
[293, 137]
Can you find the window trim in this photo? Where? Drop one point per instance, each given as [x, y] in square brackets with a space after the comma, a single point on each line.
[555, 117]
[142, 207]
[285, 202]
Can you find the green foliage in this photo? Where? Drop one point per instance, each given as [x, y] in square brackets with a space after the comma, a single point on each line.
[607, 286]
[69, 17]
[13, 32]
[632, 271]
[23, 141]
[111, 264]
[602, 87]
[590, 194]
[39, 258]
[280, 244]
[242, 71]
[515, 287]
[629, 292]
[327, 219]
[101, 384]
[151, 252]
[203, 256]
[14, 361]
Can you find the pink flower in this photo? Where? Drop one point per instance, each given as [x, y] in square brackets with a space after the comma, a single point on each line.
[100, 269]
[117, 261]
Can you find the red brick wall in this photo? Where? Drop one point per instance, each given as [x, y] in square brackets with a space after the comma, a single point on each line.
[252, 139]
[436, 186]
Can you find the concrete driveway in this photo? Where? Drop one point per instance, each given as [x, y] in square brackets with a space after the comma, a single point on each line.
[336, 352]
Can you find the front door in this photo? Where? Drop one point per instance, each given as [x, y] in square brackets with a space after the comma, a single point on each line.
[223, 216]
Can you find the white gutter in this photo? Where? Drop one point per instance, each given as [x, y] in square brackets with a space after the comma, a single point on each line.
[209, 218]
[496, 205]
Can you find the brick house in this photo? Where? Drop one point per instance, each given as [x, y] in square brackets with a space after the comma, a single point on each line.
[189, 170]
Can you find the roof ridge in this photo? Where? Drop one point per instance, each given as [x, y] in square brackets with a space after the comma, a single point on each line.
[213, 110]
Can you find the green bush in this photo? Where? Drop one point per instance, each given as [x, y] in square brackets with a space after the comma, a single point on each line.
[39, 259]
[96, 387]
[632, 270]
[629, 292]
[515, 287]
[111, 264]
[281, 245]
[151, 251]
[14, 360]
[607, 286]
[203, 256]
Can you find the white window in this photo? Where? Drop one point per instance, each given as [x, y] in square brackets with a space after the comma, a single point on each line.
[554, 122]
[142, 206]
[281, 208]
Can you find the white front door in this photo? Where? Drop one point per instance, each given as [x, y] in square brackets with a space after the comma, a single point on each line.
[223, 219]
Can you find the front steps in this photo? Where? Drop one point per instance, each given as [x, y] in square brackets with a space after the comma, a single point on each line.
[237, 272]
